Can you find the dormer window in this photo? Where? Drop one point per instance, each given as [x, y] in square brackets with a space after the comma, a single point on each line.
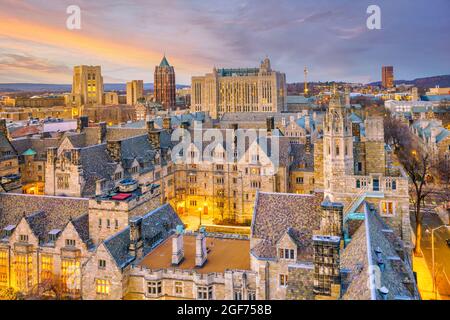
[53, 235]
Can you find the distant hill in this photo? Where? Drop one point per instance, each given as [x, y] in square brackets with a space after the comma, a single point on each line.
[427, 82]
[36, 87]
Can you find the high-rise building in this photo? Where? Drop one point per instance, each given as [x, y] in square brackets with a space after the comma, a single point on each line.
[164, 84]
[239, 90]
[88, 84]
[387, 76]
[135, 91]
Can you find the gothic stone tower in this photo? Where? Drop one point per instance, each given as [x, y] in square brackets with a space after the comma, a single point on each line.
[337, 147]
[374, 145]
[164, 84]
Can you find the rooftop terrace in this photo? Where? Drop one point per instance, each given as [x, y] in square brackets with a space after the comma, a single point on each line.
[222, 254]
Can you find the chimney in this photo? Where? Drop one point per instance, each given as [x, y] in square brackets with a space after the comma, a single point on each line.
[82, 122]
[153, 135]
[99, 187]
[4, 128]
[136, 244]
[356, 131]
[200, 248]
[331, 223]
[102, 132]
[178, 246]
[167, 123]
[307, 123]
[114, 149]
[327, 273]
[308, 144]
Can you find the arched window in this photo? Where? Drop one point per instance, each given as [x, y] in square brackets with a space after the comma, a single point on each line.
[337, 150]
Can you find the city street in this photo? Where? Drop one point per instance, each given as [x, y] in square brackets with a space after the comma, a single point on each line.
[442, 250]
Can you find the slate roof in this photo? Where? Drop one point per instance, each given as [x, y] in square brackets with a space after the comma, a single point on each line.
[96, 164]
[6, 146]
[43, 213]
[278, 213]
[373, 242]
[39, 145]
[157, 224]
[302, 160]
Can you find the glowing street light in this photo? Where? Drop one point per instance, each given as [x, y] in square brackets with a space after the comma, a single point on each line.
[432, 252]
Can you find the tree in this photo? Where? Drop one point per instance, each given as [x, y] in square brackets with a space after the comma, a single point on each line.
[417, 164]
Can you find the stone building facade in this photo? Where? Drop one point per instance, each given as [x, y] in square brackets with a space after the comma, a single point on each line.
[87, 85]
[239, 90]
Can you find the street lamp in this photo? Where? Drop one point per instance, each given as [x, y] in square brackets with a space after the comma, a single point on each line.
[432, 252]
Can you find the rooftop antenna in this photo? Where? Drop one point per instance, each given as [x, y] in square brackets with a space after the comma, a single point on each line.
[305, 90]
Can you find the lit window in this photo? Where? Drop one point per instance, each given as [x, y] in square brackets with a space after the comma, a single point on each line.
[3, 266]
[102, 286]
[283, 280]
[387, 207]
[46, 267]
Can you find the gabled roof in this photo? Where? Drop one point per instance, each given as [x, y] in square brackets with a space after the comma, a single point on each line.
[375, 242]
[278, 213]
[42, 213]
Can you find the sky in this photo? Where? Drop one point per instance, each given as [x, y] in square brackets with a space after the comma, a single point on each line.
[129, 38]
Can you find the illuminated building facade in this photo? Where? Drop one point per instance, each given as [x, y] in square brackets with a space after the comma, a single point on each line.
[239, 90]
[387, 77]
[164, 85]
[88, 84]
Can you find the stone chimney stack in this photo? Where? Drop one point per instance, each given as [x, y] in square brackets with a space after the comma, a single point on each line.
[200, 249]
[167, 123]
[331, 223]
[136, 244]
[327, 273]
[178, 246]
[308, 144]
[99, 187]
[154, 135]
[4, 128]
[114, 149]
[82, 122]
[307, 123]
[102, 132]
